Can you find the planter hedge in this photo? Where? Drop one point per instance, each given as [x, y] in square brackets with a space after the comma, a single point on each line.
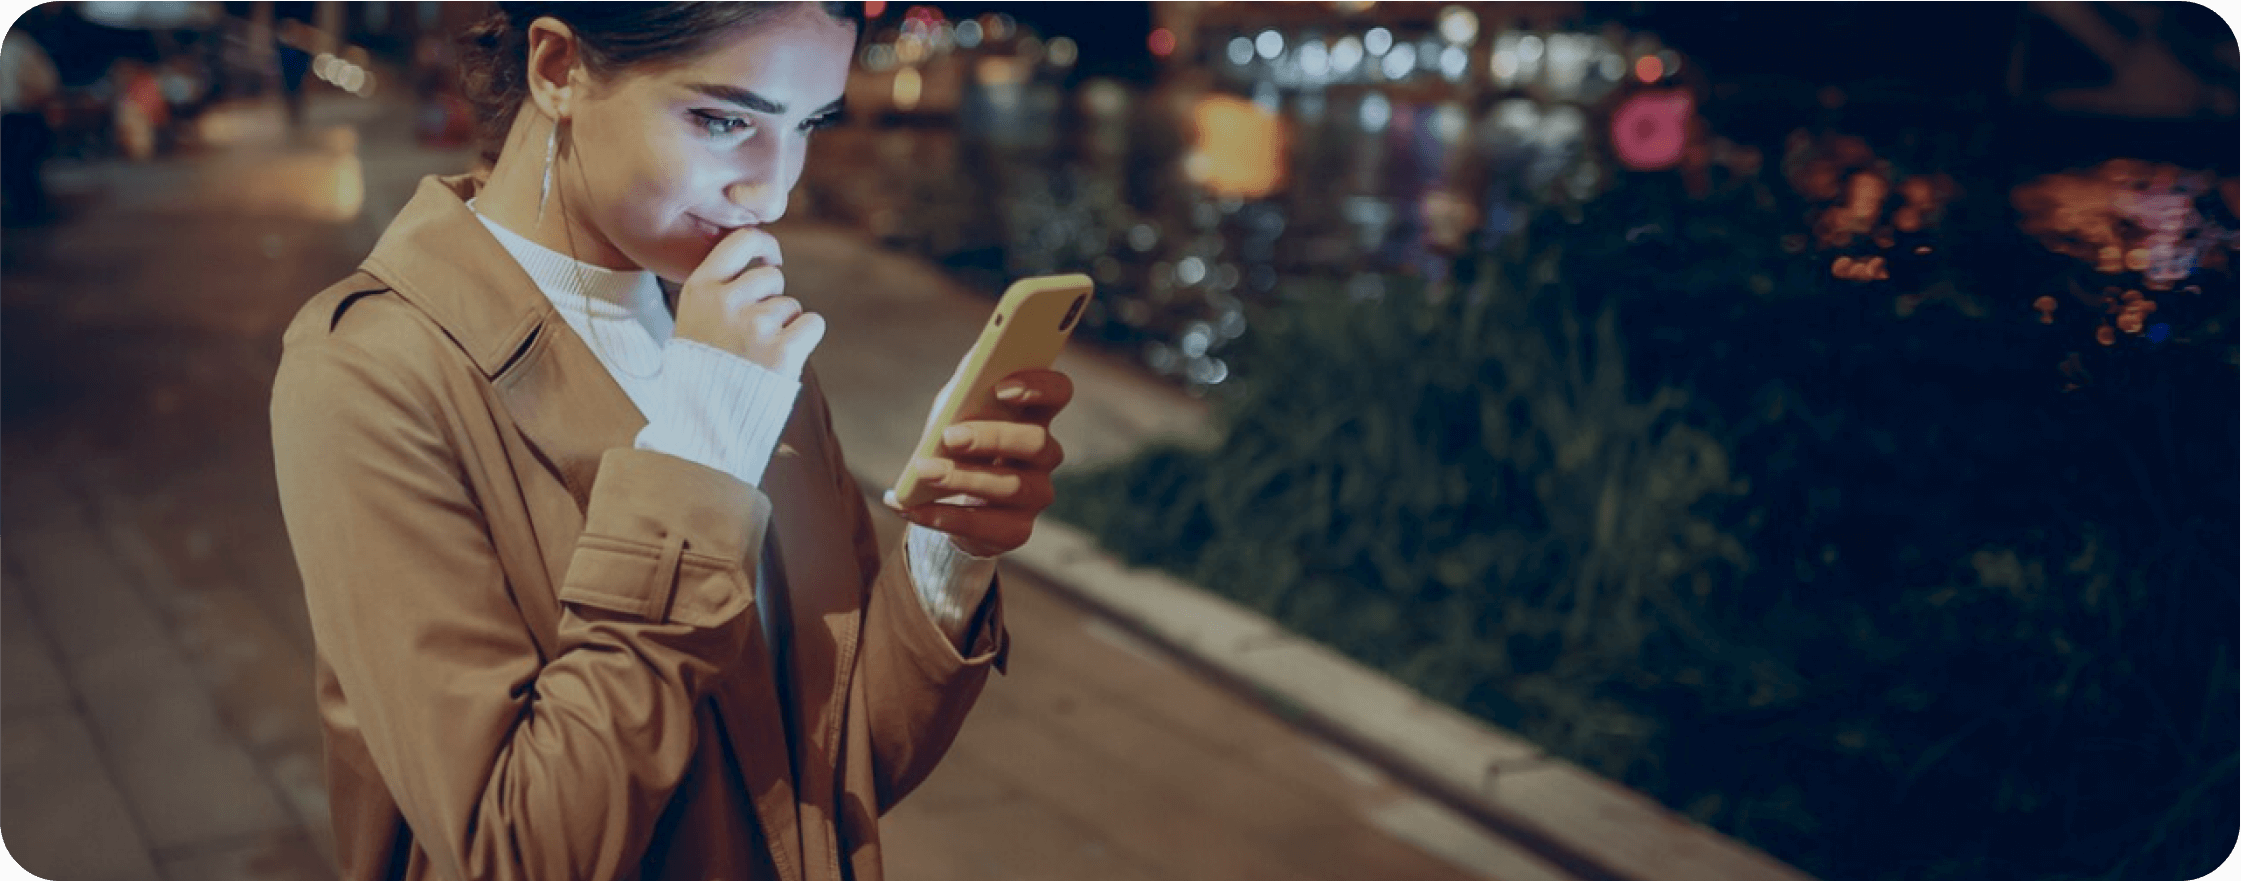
[1869, 590]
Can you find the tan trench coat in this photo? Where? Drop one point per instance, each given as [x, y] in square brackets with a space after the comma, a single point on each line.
[538, 652]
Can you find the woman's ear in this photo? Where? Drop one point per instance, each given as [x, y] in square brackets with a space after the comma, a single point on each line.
[553, 65]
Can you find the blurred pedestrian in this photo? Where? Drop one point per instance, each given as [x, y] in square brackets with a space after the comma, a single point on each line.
[593, 591]
[28, 85]
[139, 113]
[292, 45]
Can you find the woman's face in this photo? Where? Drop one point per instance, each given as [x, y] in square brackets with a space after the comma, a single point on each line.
[666, 160]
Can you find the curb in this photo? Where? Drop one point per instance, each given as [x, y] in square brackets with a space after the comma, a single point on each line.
[1565, 815]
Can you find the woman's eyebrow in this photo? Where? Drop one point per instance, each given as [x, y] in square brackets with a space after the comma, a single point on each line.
[748, 99]
[742, 97]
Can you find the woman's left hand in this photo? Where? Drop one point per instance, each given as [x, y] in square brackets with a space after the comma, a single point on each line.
[996, 473]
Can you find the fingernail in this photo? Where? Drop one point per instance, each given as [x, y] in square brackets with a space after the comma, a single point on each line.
[931, 469]
[1010, 393]
[956, 434]
[889, 500]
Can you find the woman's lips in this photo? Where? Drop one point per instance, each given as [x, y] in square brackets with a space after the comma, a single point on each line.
[709, 232]
[713, 229]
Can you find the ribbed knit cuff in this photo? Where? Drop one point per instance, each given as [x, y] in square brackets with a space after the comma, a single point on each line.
[950, 581]
[717, 409]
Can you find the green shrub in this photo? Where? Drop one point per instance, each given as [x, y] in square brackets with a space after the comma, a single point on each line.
[1428, 482]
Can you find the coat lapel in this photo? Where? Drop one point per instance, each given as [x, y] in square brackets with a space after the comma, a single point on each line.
[439, 256]
[568, 406]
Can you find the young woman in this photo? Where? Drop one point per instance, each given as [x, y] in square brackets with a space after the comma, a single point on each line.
[594, 594]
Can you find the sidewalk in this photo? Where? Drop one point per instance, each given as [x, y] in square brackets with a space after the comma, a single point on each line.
[156, 704]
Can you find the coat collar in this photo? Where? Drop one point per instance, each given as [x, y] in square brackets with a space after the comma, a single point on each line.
[438, 256]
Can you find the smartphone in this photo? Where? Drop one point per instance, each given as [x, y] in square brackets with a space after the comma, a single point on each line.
[1026, 332]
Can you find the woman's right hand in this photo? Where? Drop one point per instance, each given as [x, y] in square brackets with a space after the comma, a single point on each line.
[735, 301]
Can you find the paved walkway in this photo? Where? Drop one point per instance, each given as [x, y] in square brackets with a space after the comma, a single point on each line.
[154, 651]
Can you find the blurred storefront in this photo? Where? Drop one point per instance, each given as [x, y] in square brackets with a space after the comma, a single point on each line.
[1269, 144]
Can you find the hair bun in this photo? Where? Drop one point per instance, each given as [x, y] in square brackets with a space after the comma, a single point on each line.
[487, 34]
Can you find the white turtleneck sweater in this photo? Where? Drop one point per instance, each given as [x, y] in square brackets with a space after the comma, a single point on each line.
[716, 409]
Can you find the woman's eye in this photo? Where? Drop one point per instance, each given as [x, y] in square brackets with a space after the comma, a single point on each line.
[820, 121]
[716, 124]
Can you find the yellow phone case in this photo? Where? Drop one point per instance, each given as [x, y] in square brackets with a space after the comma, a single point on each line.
[1027, 330]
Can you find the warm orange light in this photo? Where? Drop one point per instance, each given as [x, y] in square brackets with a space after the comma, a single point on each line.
[2105, 335]
[2136, 260]
[1648, 69]
[1239, 150]
[1162, 42]
[1918, 190]
[873, 8]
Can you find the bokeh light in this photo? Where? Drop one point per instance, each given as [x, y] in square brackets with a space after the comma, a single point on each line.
[1378, 41]
[909, 86]
[1238, 148]
[1400, 62]
[1314, 60]
[1650, 129]
[1376, 112]
[1062, 52]
[1454, 62]
[1458, 25]
[1240, 51]
[1269, 44]
[1346, 54]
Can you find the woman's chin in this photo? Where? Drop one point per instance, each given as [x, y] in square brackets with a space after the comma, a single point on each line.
[677, 259]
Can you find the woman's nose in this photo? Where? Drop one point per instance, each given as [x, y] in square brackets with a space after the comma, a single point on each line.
[764, 199]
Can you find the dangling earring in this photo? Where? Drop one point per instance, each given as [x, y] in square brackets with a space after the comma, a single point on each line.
[552, 147]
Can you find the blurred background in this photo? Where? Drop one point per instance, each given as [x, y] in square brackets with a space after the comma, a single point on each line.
[1817, 418]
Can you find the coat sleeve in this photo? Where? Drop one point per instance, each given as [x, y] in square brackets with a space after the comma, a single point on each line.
[916, 686]
[505, 764]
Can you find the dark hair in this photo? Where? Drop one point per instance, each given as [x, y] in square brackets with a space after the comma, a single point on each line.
[611, 37]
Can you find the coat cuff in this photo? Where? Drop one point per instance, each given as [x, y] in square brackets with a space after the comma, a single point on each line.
[652, 519]
[950, 581]
[931, 650]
